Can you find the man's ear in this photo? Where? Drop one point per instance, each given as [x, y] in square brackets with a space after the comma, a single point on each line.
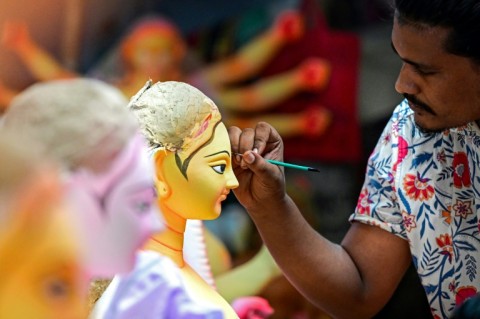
[163, 189]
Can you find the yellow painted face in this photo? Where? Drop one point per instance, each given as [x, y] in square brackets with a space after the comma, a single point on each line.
[40, 274]
[153, 52]
[157, 50]
[194, 185]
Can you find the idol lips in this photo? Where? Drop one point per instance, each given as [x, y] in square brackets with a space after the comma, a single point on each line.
[224, 195]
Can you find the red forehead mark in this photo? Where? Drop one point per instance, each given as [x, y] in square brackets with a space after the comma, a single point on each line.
[204, 125]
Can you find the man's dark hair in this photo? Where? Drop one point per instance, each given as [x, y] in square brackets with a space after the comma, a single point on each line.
[461, 16]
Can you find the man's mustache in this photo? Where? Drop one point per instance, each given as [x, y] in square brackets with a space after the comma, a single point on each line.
[412, 99]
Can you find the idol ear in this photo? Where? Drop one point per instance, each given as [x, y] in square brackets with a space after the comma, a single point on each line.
[161, 185]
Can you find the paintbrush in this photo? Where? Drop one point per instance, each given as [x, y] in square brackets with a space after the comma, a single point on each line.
[289, 165]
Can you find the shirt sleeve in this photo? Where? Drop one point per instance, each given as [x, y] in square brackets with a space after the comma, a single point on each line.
[378, 204]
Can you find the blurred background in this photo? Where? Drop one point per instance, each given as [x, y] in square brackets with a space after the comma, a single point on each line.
[352, 35]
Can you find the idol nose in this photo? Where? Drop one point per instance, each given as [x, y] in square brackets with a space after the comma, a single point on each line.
[231, 179]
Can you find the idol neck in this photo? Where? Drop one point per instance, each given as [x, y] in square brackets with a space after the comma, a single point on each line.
[170, 241]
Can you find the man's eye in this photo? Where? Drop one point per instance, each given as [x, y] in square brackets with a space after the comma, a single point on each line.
[423, 72]
[220, 169]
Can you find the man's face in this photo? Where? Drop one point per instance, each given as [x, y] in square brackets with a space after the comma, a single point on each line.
[443, 89]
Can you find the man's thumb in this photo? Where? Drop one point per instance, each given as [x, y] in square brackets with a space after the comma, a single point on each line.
[256, 163]
[249, 158]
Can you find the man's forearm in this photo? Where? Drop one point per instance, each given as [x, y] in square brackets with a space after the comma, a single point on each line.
[321, 270]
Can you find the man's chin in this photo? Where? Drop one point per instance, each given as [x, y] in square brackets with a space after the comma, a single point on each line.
[429, 130]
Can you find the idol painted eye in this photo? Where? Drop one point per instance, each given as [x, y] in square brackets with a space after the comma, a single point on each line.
[56, 287]
[143, 207]
[220, 169]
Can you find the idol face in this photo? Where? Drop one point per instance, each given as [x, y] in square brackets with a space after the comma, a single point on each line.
[49, 284]
[116, 210]
[443, 89]
[156, 51]
[197, 192]
[41, 272]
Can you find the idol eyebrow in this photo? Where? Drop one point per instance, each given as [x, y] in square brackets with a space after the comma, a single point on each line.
[415, 64]
[134, 188]
[226, 152]
[142, 186]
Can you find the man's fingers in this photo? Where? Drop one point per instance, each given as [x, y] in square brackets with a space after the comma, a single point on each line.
[234, 134]
[258, 165]
[241, 142]
[263, 140]
[267, 139]
[246, 140]
[262, 136]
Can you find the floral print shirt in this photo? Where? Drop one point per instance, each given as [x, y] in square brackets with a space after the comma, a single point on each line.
[425, 188]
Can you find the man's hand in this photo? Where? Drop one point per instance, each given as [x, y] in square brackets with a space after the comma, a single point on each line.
[260, 182]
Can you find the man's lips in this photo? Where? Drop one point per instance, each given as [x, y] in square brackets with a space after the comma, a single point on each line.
[416, 108]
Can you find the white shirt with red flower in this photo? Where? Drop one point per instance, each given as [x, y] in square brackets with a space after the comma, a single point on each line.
[425, 188]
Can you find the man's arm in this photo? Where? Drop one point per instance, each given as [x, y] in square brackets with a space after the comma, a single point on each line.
[351, 280]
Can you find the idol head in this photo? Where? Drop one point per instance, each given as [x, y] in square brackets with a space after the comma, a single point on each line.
[154, 47]
[84, 125]
[190, 147]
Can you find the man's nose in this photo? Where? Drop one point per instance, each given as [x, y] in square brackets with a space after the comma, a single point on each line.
[406, 81]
